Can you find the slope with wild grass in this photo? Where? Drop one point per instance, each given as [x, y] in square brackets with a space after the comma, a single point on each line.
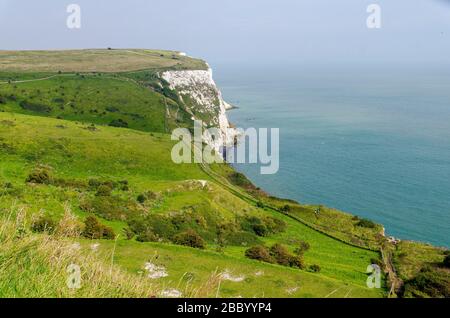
[125, 178]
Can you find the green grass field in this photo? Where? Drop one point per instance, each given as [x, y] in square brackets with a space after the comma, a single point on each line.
[95, 60]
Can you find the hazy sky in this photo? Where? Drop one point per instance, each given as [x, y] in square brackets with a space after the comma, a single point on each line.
[260, 31]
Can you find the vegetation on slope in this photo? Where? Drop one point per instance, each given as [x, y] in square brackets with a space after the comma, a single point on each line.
[423, 269]
[143, 182]
[86, 131]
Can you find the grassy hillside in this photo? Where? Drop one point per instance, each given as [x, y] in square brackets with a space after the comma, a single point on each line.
[75, 154]
[120, 88]
[85, 161]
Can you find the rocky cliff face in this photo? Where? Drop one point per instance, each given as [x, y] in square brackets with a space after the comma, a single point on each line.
[203, 100]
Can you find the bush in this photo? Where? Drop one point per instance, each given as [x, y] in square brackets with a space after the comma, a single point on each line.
[43, 224]
[104, 190]
[141, 198]
[189, 238]
[263, 227]
[275, 225]
[303, 247]
[259, 204]
[93, 229]
[94, 183]
[260, 253]
[39, 108]
[366, 223]
[111, 109]
[118, 123]
[428, 282]
[123, 185]
[286, 208]
[108, 233]
[278, 254]
[147, 236]
[256, 225]
[297, 261]
[41, 175]
[281, 254]
[314, 268]
[110, 207]
[129, 234]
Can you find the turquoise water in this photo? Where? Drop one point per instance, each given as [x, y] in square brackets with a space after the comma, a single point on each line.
[372, 143]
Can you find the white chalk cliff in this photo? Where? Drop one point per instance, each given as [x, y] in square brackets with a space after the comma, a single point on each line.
[203, 100]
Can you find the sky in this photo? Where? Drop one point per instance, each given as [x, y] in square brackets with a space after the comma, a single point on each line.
[240, 31]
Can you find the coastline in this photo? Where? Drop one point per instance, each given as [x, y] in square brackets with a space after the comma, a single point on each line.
[361, 180]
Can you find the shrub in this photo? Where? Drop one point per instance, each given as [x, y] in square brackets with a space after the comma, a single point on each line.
[94, 183]
[189, 238]
[303, 247]
[263, 227]
[366, 223]
[147, 236]
[118, 123]
[108, 233]
[260, 253]
[93, 229]
[314, 268]
[123, 185]
[281, 254]
[428, 282]
[286, 208]
[256, 225]
[41, 175]
[275, 225]
[104, 190]
[141, 198]
[112, 109]
[129, 234]
[296, 261]
[259, 204]
[39, 108]
[43, 224]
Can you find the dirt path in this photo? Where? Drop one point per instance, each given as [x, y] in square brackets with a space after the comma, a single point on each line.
[31, 80]
[395, 282]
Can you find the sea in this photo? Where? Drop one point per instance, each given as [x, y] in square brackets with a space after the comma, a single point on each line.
[374, 142]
